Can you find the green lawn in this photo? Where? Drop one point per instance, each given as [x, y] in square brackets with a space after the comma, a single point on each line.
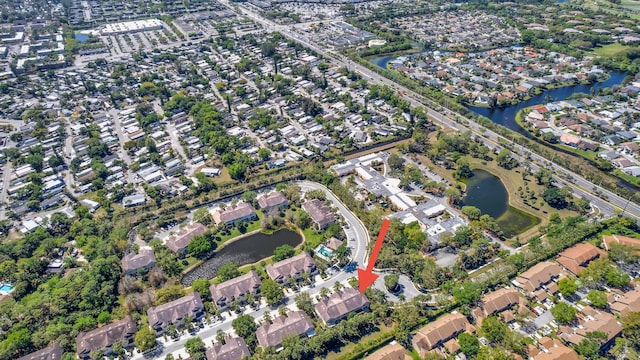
[631, 4]
[312, 238]
[611, 50]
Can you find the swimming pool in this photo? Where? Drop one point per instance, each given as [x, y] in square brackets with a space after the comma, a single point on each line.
[6, 288]
[325, 252]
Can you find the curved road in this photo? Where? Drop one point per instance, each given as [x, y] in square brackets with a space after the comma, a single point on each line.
[358, 242]
[356, 231]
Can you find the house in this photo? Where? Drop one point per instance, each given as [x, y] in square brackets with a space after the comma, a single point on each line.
[174, 311]
[569, 140]
[591, 320]
[103, 338]
[90, 204]
[333, 244]
[608, 240]
[294, 323]
[630, 148]
[553, 349]
[233, 348]
[438, 332]
[577, 257]
[293, 267]
[393, 351]
[178, 243]
[337, 306]
[320, 213]
[499, 300]
[273, 200]
[143, 261]
[538, 275]
[630, 302]
[52, 352]
[237, 288]
[134, 200]
[609, 155]
[241, 212]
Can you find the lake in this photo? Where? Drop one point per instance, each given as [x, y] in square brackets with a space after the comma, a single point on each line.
[247, 250]
[486, 192]
[506, 116]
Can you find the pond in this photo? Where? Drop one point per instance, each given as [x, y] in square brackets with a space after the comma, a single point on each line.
[506, 116]
[81, 37]
[486, 192]
[247, 250]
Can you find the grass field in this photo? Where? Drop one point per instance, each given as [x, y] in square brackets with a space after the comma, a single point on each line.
[611, 50]
[631, 4]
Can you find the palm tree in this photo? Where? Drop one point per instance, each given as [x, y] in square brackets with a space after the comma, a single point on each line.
[306, 277]
[267, 317]
[338, 286]
[324, 292]
[221, 336]
[342, 253]
[282, 310]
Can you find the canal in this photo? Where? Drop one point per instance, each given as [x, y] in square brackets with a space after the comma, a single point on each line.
[247, 250]
[506, 116]
[486, 192]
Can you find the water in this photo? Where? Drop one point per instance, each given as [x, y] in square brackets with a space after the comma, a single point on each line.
[247, 250]
[325, 252]
[507, 116]
[486, 192]
[5, 288]
[81, 37]
[382, 61]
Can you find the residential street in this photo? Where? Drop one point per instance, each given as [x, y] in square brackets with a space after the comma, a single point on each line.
[356, 231]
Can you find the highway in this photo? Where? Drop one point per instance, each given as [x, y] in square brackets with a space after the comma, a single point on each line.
[609, 205]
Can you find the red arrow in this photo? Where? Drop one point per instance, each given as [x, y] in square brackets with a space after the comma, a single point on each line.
[367, 277]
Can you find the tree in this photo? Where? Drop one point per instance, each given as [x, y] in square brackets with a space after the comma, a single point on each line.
[203, 216]
[469, 344]
[228, 271]
[145, 339]
[395, 162]
[169, 293]
[201, 286]
[617, 277]
[588, 348]
[466, 293]
[60, 223]
[244, 325]
[598, 298]
[472, 212]
[494, 329]
[283, 252]
[199, 246]
[564, 313]
[463, 169]
[237, 170]
[391, 282]
[567, 287]
[272, 291]
[505, 160]
[304, 303]
[264, 154]
[555, 197]
[342, 253]
[194, 345]
[631, 328]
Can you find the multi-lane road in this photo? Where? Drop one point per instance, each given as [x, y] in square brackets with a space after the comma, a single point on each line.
[606, 201]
